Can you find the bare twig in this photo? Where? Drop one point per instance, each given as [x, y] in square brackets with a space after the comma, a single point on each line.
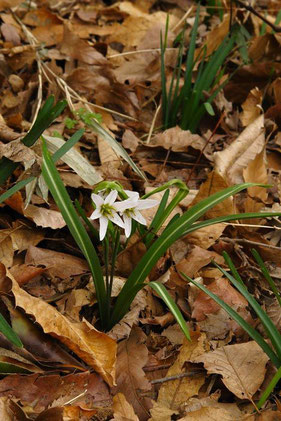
[252, 10]
[177, 377]
[254, 243]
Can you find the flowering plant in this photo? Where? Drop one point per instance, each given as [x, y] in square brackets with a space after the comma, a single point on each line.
[119, 212]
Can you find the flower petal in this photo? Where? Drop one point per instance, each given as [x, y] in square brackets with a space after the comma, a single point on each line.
[103, 227]
[125, 204]
[137, 216]
[132, 194]
[147, 203]
[97, 199]
[115, 218]
[127, 225]
[110, 199]
[96, 214]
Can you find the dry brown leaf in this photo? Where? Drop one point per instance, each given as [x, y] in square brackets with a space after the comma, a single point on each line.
[122, 410]
[230, 162]
[174, 393]
[242, 367]
[130, 378]
[161, 413]
[46, 218]
[123, 329]
[42, 217]
[130, 140]
[220, 411]
[50, 35]
[204, 304]
[16, 151]
[95, 348]
[196, 259]
[18, 238]
[58, 265]
[9, 410]
[214, 183]
[76, 48]
[207, 236]
[178, 140]
[251, 107]
[40, 392]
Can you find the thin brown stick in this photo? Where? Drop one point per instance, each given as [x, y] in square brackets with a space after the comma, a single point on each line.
[254, 243]
[252, 10]
[176, 377]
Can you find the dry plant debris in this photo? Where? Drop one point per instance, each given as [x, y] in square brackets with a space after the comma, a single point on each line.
[104, 57]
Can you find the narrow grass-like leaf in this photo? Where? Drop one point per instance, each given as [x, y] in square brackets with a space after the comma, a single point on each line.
[238, 319]
[76, 228]
[8, 332]
[166, 239]
[267, 276]
[68, 145]
[268, 325]
[46, 116]
[15, 188]
[163, 293]
[116, 147]
[269, 388]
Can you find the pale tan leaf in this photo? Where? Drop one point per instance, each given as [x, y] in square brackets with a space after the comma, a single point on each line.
[122, 410]
[97, 349]
[178, 140]
[222, 411]
[242, 367]
[230, 162]
[75, 160]
[46, 218]
[161, 413]
[174, 393]
[256, 172]
[107, 154]
[251, 107]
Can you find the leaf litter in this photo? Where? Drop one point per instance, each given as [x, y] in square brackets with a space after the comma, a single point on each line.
[106, 56]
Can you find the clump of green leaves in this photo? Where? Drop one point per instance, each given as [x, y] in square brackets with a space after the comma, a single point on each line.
[187, 105]
[87, 116]
[274, 350]
[110, 312]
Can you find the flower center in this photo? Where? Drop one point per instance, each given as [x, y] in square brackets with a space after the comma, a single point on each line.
[130, 212]
[107, 210]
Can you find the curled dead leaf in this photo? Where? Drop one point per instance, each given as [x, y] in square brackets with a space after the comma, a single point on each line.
[96, 348]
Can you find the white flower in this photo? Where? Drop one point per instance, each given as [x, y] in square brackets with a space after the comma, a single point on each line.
[106, 210]
[130, 209]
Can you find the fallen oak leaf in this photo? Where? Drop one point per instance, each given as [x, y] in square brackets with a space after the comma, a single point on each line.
[242, 367]
[96, 348]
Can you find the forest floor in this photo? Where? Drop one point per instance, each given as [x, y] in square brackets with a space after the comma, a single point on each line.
[104, 59]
